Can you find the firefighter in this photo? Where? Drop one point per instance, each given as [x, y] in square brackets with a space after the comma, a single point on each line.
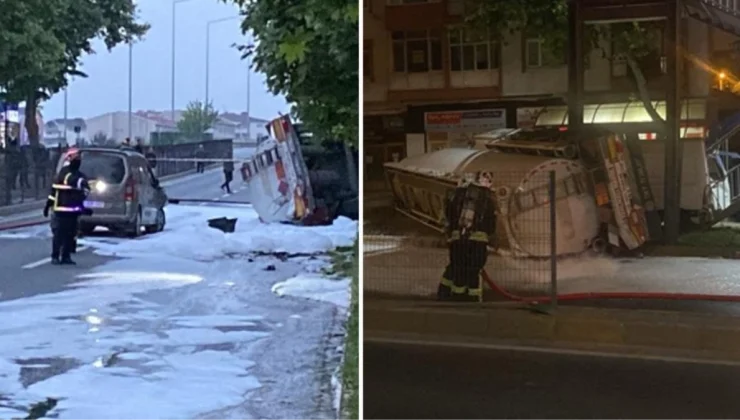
[471, 226]
[67, 200]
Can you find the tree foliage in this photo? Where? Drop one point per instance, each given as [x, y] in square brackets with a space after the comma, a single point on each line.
[101, 139]
[631, 42]
[197, 119]
[44, 40]
[309, 51]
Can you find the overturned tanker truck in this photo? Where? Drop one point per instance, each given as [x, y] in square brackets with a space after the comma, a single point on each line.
[599, 202]
[293, 179]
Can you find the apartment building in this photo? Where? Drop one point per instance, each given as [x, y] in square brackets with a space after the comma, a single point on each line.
[429, 86]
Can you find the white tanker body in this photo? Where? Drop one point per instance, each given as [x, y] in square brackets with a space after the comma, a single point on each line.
[520, 183]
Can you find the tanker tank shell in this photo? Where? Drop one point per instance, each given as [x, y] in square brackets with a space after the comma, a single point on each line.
[520, 183]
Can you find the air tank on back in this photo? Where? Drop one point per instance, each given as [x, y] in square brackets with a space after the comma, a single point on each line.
[421, 183]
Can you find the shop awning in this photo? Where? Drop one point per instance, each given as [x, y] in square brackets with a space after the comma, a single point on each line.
[378, 109]
[692, 110]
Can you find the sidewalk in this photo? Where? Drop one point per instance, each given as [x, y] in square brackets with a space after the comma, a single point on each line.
[641, 331]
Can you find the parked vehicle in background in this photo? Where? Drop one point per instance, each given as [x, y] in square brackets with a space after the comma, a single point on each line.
[126, 196]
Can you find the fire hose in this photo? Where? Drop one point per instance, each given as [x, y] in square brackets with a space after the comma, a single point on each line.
[607, 295]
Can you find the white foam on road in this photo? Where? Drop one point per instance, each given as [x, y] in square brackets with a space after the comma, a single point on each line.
[188, 236]
[312, 286]
[165, 331]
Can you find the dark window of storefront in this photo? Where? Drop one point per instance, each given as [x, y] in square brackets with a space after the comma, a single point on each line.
[417, 51]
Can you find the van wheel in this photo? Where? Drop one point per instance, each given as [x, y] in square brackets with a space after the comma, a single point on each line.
[135, 228]
[86, 230]
[159, 225]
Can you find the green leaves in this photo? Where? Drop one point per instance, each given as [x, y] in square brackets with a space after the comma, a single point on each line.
[631, 42]
[308, 51]
[44, 40]
[197, 119]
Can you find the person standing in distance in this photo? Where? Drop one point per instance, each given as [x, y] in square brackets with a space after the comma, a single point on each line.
[200, 155]
[471, 227]
[67, 200]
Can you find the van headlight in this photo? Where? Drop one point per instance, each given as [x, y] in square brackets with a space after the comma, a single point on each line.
[100, 187]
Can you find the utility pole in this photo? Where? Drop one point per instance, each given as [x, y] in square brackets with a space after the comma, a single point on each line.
[65, 114]
[208, 52]
[130, 88]
[249, 100]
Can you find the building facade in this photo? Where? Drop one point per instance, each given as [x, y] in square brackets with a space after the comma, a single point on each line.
[429, 84]
[115, 126]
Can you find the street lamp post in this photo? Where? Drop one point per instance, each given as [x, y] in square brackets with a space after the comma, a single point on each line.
[249, 98]
[65, 113]
[208, 50]
[130, 87]
[174, 20]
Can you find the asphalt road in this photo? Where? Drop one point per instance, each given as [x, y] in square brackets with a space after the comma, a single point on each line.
[24, 268]
[434, 382]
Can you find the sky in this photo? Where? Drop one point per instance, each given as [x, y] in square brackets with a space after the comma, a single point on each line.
[106, 87]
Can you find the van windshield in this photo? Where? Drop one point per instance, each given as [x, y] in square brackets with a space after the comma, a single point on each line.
[106, 167]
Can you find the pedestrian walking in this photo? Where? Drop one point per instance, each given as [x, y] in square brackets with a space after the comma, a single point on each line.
[200, 154]
[228, 175]
[67, 200]
[471, 227]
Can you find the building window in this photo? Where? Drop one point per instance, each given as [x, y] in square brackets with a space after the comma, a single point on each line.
[402, 2]
[470, 51]
[367, 61]
[417, 51]
[538, 55]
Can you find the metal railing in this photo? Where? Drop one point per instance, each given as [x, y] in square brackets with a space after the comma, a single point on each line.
[26, 175]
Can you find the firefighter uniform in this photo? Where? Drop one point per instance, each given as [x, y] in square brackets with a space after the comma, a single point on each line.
[67, 201]
[471, 226]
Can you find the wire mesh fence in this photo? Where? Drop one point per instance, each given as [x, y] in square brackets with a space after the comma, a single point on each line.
[410, 257]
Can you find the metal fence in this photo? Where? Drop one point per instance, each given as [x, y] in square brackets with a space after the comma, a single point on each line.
[26, 173]
[405, 254]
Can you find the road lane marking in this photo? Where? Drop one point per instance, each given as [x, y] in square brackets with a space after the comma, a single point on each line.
[47, 260]
[551, 350]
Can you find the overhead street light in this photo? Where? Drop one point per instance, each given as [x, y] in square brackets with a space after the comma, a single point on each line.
[174, 33]
[208, 49]
[130, 87]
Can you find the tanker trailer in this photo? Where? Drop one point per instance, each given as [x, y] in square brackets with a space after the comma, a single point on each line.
[421, 183]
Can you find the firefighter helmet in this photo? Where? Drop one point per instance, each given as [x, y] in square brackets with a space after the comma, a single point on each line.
[484, 178]
[70, 155]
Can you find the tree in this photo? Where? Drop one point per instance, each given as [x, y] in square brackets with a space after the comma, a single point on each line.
[632, 42]
[48, 39]
[308, 49]
[197, 119]
[101, 139]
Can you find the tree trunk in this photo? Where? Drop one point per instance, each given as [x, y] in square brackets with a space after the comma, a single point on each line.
[32, 125]
[351, 168]
[642, 90]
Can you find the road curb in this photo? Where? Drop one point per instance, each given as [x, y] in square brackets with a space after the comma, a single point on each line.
[692, 251]
[605, 327]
